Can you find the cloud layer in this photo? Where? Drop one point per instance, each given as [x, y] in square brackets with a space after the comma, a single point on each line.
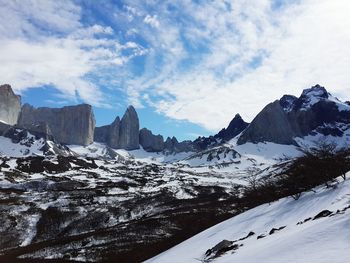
[45, 43]
[189, 60]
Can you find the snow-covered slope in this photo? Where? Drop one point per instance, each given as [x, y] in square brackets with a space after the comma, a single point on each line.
[101, 150]
[311, 229]
[26, 144]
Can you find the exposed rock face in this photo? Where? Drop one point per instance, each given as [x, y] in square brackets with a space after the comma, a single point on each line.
[121, 134]
[172, 145]
[40, 130]
[129, 130]
[283, 120]
[109, 134]
[69, 125]
[113, 139]
[151, 142]
[4, 127]
[236, 126]
[10, 105]
[271, 124]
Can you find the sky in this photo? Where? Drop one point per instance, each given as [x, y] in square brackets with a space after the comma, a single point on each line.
[186, 66]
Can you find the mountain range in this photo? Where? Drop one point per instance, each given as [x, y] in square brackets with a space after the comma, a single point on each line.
[71, 191]
[283, 121]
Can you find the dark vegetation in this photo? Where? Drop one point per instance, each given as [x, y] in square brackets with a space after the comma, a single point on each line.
[318, 165]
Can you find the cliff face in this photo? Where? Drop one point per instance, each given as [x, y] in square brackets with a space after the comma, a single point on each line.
[315, 111]
[151, 142]
[109, 134]
[10, 105]
[121, 134]
[271, 124]
[129, 130]
[69, 125]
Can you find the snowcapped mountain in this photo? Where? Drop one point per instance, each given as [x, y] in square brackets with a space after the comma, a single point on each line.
[314, 112]
[100, 201]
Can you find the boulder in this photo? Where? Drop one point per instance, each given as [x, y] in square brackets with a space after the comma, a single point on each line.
[10, 105]
[68, 125]
[151, 142]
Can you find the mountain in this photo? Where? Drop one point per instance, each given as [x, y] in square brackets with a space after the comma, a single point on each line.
[236, 126]
[121, 134]
[315, 112]
[151, 142]
[69, 125]
[129, 195]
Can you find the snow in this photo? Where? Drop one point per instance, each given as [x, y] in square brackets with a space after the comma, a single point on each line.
[8, 148]
[315, 96]
[94, 150]
[311, 140]
[322, 240]
[98, 150]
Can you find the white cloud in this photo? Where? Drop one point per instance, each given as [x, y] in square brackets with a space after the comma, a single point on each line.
[43, 42]
[253, 55]
[151, 20]
[205, 61]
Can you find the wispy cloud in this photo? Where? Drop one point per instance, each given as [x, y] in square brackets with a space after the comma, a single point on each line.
[202, 61]
[45, 43]
[241, 55]
[151, 20]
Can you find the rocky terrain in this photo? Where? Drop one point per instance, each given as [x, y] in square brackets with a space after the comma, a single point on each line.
[98, 210]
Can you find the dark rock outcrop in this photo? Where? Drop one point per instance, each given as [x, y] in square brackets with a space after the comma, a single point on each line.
[236, 126]
[151, 142]
[121, 134]
[10, 105]
[172, 145]
[109, 134]
[4, 127]
[271, 124]
[68, 125]
[283, 120]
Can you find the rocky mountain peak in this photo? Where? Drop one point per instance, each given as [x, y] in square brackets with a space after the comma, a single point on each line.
[129, 130]
[315, 111]
[315, 91]
[121, 134]
[236, 126]
[287, 102]
[151, 142]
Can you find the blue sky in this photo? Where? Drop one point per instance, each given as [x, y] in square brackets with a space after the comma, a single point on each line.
[187, 66]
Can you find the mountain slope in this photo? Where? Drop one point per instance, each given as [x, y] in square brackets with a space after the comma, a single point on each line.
[315, 111]
[311, 229]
